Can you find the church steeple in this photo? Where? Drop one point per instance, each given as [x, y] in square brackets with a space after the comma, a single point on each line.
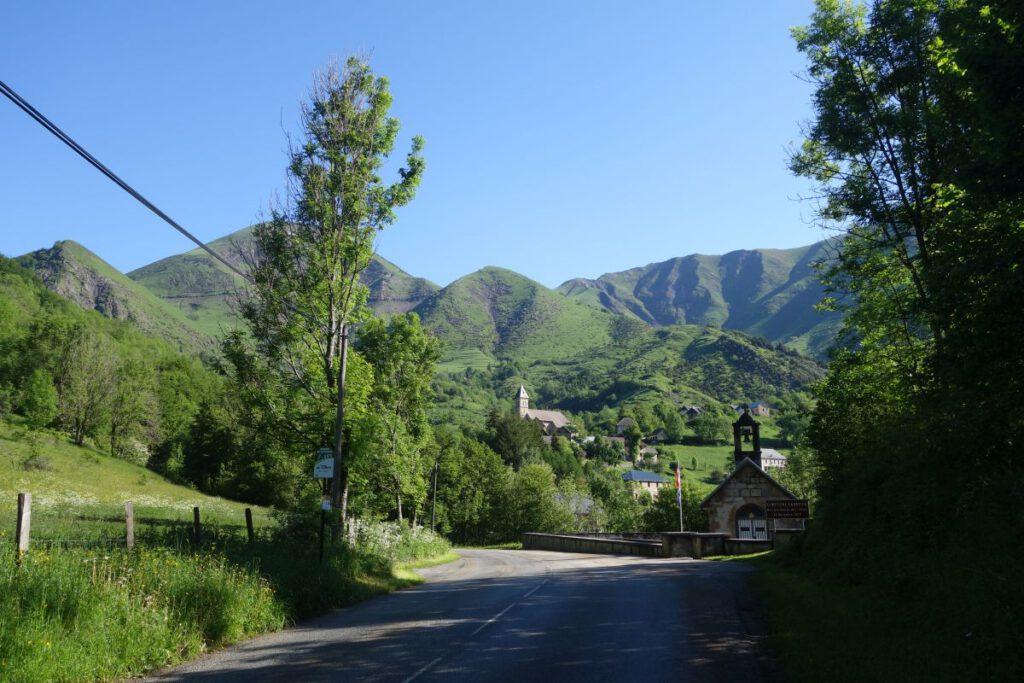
[523, 399]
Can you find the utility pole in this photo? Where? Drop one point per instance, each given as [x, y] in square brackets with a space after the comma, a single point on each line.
[433, 506]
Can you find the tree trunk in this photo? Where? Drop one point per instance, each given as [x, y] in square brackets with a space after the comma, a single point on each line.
[339, 485]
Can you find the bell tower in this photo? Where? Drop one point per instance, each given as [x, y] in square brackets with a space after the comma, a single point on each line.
[523, 400]
[746, 430]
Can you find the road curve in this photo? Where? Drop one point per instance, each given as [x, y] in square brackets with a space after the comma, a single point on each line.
[507, 615]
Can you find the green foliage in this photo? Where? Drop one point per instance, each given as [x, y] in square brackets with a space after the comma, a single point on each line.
[39, 399]
[712, 427]
[915, 144]
[516, 440]
[663, 513]
[306, 289]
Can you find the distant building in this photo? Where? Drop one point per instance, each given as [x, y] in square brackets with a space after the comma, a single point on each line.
[692, 412]
[647, 454]
[760, 409]
[643, 481]
[657, 436]
[623, 425]
[552, 422]
[772, 458]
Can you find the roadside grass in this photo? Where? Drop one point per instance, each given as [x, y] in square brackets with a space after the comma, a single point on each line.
[825, 631]
[78, 494]
[81, 607]
[102, 614]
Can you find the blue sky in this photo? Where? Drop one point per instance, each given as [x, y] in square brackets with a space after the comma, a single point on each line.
[564, 139]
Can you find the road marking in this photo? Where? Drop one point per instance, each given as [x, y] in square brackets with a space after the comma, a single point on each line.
[493, 619]
[535, 589]
[426, 667]
[423, 669]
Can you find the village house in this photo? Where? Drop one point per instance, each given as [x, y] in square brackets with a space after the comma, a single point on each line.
[623, 425]
[692, 412]
[647, 454]
[737, 506]
[772, 458]
[640, 481]
[657, 436]
[552, 422]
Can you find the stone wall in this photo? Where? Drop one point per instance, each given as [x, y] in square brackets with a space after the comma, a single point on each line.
[589, 544]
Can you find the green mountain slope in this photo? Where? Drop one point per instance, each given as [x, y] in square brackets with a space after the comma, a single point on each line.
[499, 313]
[205, 290]
[764, 292]
[501, 329]
[77, 274]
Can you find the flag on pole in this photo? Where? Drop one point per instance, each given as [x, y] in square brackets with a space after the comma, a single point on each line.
[679, 486]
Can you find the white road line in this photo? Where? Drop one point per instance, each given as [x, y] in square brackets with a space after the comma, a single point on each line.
[493, 619]
[535, 589]
[426, 667]
[423, 669]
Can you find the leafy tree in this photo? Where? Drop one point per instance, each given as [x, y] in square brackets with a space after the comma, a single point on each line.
[305, 272]
[711, 427]
[916, 147]
[472, 485]
[516, 440]
[39, 399]
[84, 387]
[663, 513]
[133, 408]
[531, 503]
[403, 357]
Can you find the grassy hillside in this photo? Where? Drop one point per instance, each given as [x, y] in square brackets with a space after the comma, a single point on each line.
[503, 314]
[764, 292]
[78, 494]
[77, 274]
[502, 329]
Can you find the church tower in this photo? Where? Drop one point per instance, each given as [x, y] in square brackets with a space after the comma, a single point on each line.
[744, 430]
[524, 400]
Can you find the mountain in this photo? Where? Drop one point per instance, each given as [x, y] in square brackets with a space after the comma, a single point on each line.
[501, 329]
[497, 312]
[763, 292]
[77, 274]
[205, 290]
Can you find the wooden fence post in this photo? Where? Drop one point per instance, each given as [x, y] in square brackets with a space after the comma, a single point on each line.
[129, 523]
[24, 524]
[196, 528]
[248, 526]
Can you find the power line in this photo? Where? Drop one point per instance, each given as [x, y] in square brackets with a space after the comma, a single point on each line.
[78, 149]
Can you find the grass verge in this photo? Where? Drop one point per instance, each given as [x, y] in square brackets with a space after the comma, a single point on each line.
[839, 633]
[95, 614]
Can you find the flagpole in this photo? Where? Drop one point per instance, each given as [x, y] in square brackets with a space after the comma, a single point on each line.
[679, 495]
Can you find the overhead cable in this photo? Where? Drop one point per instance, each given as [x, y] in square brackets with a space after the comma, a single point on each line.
[78, 149]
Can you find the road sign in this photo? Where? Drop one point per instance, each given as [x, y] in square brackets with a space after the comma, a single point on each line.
[787, 509]
[324, 469]
[324, 453]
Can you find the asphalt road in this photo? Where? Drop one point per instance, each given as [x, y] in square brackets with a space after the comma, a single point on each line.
[506, 615]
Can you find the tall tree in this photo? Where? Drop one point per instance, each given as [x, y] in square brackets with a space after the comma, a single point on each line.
[307, 261]
[402, 355]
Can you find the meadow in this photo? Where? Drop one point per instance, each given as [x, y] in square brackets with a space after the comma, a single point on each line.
[79, 606]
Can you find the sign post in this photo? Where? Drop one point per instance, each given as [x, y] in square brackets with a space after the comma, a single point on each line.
[324, 471]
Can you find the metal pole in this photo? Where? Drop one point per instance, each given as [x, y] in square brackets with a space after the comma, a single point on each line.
[433, 506]
[323, 518]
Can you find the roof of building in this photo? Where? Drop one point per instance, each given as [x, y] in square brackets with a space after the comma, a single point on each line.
[553, 416]
[637, 475]
[522, 392]
[649, 449]
[747, 462]
[625, 422]
[771, 453]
